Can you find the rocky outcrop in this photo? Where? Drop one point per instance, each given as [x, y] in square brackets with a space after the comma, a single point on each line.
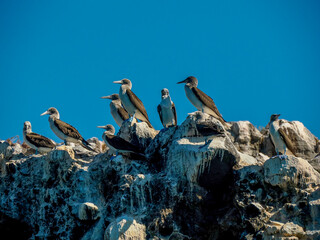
[199, 181]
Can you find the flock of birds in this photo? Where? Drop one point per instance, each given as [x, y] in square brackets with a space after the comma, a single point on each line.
[126, 106]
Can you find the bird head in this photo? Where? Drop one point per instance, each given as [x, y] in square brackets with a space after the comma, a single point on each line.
[274, 117]
[112, 97]
[124, 82]
[190, 81]
[27, 127]
[109, 128]
[52, 112]
[164, 93]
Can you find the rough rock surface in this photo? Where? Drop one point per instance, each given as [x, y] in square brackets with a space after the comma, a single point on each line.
[199, 182]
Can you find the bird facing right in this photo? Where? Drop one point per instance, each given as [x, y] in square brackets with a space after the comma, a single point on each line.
[201, 100]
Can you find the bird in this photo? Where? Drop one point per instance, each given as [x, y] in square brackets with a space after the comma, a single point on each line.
[63, 130]
[131, 102]
[279, 138]
[118, 144]
[167, 110]
[199, 99]
[36, 141]
[118, 113]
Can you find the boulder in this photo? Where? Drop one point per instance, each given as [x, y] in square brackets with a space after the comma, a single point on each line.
[125, 228]
[246, 137]
[137, 133]
[88, 211]
[290, 172]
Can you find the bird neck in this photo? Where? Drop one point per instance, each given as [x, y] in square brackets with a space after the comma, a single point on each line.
[125, 87]
[26, 131]
[117, 101]
[54, 116]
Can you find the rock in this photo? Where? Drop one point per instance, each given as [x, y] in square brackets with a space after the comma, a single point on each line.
[96, 145]
[290, 172]
[88, 211]
[315, 162]
[206, 160]
[6, 150]
[125, 228]
[246, 137]
[137, 133]
[292, 230]
[201, 183]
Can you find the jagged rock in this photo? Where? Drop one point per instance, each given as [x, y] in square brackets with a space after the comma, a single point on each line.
[125, 228]
[88, 211]
[137, 133]
[6, 150]
[246, 137]
[204, 159]
[315, 162]
[201, 183]
[292, 230]
[290, 172]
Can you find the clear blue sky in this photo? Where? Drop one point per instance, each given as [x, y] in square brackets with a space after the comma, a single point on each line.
[254, 58]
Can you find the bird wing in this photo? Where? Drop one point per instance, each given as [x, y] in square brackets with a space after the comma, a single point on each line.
[121, 144]
[39, 140]
[137, 102]
[287, 140]
[123, 113]
[160, 115]
[207, 101]
[67, 129]
[174, 113]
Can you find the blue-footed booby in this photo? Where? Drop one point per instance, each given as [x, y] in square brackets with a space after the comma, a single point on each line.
[279, 138]
[131, 102]
[167, 110]
[199, 99]
[36, 141]
[118, 144]
[63, 130]
[118, 113]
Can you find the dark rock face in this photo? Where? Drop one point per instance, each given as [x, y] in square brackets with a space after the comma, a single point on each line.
[199, 182]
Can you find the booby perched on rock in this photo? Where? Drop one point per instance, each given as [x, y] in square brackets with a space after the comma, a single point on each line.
[118, 144]
[199, 99]
[36, 141]
[118, 113]
[167, 110]
[279, 138]
[63, 130]
[131, 102]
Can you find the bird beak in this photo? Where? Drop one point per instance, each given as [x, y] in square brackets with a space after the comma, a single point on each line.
[45, 113]
[184, 81]
[119, 82]
[106, 97]
[103, 127]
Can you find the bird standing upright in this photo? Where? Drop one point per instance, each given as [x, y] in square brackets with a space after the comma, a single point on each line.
[36, 141]
[131, 102]
[118, 113]
[199, 99]
[279, 138]
[167, 110]
[63, 130]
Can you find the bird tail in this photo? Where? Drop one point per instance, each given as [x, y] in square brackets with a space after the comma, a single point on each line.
[85, 144]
